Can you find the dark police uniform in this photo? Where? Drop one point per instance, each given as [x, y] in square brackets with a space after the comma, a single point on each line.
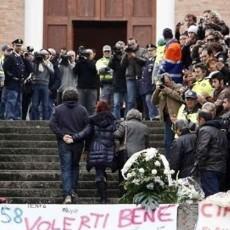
[14, 70]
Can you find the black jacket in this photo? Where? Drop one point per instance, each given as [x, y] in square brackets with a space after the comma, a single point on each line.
[119, 81]
[182, 154]
[69, 118]
[211, 150]
[87, 74]
[14, 69]
[101, 148]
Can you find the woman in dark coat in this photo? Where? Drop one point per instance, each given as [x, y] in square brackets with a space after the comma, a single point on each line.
[101, 144]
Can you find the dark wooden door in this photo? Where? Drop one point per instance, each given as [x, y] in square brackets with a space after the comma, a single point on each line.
[60, 18]
[95, 34]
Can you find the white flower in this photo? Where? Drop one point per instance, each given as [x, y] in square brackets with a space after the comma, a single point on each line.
[133, 173]
[150, 186]
[141, 170]
[154, 171]
[136, 181]
[157, 164]
[172, 171]
[158, 180]
[129, 175]
[150, 154]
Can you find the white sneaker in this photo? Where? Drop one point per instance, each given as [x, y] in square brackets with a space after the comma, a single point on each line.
[68, 200]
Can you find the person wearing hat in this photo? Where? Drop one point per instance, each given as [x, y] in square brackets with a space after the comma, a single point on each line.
[189, 110]
[220, 90]
[14, 69]
[105, 74]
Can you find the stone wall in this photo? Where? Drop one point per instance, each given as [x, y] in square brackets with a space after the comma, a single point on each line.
[183, 7]
[11, 20]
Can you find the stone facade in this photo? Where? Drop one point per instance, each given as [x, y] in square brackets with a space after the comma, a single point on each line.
[11, 20]
[196, 7]
[12, 14]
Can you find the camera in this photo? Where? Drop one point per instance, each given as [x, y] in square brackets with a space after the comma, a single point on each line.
[117, 51]
[65, 60]
[38, 57]
[83, 53]
[129, 49]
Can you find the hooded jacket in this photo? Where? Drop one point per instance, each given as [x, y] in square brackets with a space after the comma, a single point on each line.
[101, 139]
[211, 151]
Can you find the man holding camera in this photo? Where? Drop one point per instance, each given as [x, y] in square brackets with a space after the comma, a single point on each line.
[105, 74]
[86, 72]
[132, 63]
[167, 96]
[14, 70]
[119, 82]
[67, 76]
[43, 69]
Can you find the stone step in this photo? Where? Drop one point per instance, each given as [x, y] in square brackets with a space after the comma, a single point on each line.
[21, 123]
[53, 192]
[27, 144]
[29, 158]
[51, 175]
[51, 144]
[51, 184]
[57, 200]
[51, 137]
[29, 137]
[5, 123]
[28, 151]
[46, 130]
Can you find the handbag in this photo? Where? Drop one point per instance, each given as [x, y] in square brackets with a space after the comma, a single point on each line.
[121, 155]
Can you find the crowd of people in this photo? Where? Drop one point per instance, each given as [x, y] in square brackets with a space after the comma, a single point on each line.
[183, 80]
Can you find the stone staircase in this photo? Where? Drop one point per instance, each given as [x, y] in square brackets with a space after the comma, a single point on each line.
[29, 165]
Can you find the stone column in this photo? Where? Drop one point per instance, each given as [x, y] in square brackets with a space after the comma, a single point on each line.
[34, 23]
[165, 16]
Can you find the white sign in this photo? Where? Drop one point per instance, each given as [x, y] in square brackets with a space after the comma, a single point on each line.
[84, 217]
[213, 217]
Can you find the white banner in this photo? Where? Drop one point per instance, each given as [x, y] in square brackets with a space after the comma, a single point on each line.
[84, 217]
[213, 217]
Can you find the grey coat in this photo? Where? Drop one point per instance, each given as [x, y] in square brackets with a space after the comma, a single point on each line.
[137, 135]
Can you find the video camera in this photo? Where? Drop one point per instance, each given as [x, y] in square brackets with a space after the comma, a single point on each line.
[83, 53]
[38, 57]
[65, 59]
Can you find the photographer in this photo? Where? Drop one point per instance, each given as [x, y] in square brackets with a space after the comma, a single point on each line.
[43, 69]
[67, 76]
[132, 62]
[119, 82]
[105, 74]
[167, 96]
[87, 80]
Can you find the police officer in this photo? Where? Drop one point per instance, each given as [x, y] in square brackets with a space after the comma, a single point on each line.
[14, 70]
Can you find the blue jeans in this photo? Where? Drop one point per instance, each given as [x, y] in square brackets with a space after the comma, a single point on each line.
[69, 155]
[88, 98]
[168, 136]
[118, 99]
[107, 93]
[210, 182]
[40, 96]
[3, 103]
[13, 106]
[51, 107]
[152, 109]
[131, 93]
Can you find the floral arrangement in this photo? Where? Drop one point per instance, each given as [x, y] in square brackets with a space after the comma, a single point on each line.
[148, 181]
